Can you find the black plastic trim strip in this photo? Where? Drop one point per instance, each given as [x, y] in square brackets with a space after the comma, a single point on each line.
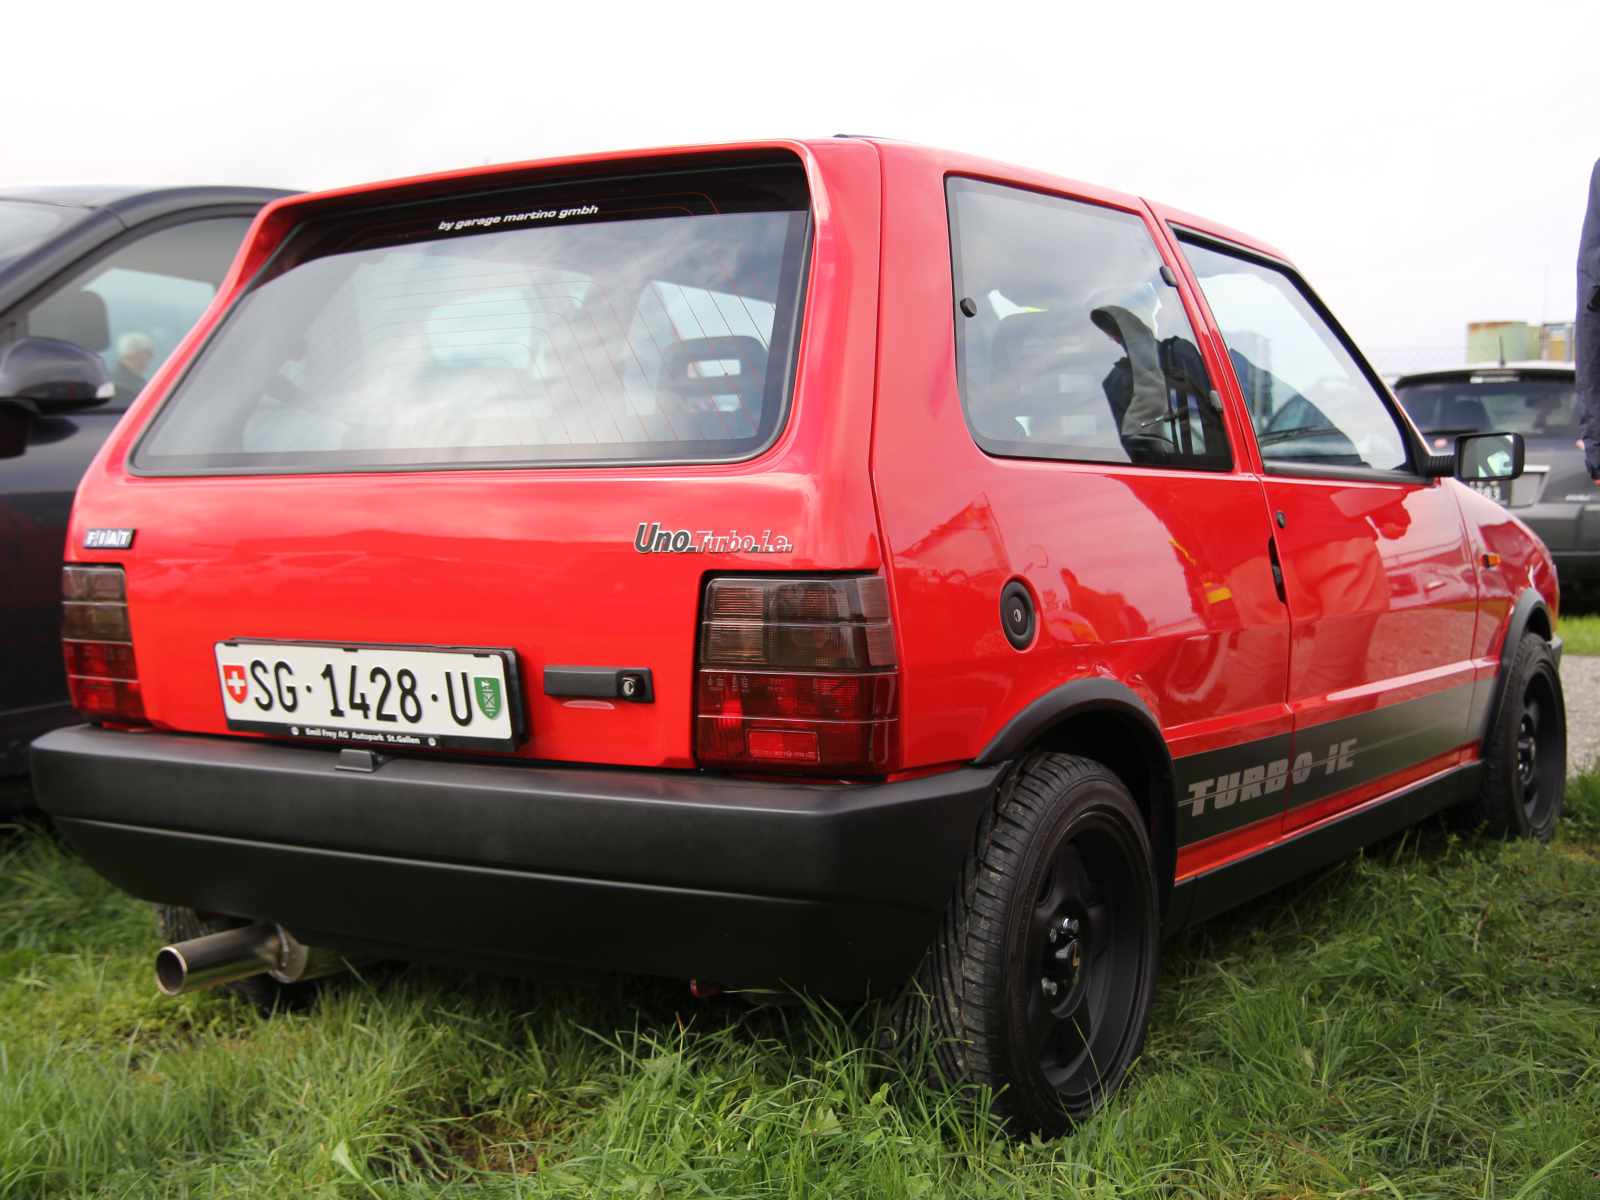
[1244, 879]
[1068, 700]
[1282, 467]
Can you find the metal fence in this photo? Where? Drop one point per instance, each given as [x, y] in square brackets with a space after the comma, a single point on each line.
[1394, 361]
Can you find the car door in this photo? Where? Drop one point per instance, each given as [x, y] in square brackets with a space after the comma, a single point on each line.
[1377, 573]
[1108, 485]
[132, 307]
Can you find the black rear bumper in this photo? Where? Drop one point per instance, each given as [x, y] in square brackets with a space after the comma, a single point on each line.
[523, 868]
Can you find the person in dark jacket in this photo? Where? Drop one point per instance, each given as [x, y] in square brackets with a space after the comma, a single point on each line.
[1588, 328]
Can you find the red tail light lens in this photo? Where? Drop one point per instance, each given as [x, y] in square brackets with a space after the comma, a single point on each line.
[798, 675]
[102, 675]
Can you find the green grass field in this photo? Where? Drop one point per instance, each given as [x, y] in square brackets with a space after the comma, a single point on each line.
[1423, 1021]
[1580, 632]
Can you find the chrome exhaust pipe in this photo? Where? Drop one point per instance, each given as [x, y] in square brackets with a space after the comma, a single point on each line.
[259, 949]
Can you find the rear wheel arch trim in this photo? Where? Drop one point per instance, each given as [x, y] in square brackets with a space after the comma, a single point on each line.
[1058, 709]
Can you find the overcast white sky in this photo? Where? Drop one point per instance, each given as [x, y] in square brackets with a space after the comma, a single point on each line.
[1425, 164]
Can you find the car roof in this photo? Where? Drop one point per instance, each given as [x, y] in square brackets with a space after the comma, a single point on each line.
[139, 202]
[1526, 368]
[101, 212]
[76, 195]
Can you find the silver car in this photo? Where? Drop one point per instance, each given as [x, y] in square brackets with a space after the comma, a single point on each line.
[1555, 496]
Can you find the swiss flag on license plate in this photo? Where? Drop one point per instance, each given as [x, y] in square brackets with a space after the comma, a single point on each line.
[233, 679]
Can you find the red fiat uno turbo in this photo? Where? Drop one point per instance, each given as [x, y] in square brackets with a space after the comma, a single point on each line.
[782, 564]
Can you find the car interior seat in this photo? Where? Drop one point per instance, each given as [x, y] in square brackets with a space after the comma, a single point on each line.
[1046, 371]
[77, 316]
[717, 375]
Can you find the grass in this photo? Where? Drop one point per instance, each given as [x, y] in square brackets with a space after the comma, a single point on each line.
[1580, 632]
[1418, 1022]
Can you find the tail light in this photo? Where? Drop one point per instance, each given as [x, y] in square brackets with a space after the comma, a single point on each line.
[101, 673]
[797, 675]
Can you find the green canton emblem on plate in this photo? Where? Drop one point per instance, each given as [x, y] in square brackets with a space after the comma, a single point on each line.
[488, 693]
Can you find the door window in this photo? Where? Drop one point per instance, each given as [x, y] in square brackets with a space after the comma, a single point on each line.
[1309, 401]
[1069, 342]
[134, 307]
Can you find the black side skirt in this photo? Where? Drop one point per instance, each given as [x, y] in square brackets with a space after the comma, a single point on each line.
[1216, 891]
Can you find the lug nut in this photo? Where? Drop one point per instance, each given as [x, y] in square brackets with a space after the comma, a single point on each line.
[1050, 986]
[1052, 936]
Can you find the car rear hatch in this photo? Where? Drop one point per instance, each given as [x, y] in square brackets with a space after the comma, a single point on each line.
[455, 463]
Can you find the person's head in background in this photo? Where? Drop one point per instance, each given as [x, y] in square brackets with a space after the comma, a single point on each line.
[134, 351]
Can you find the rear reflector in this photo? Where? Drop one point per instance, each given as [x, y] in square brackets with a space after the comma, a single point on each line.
[797, 675]
[102, 675]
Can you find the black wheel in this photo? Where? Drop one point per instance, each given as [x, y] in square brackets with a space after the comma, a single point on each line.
[265, 992]
[1040, 978]
[1525, 755]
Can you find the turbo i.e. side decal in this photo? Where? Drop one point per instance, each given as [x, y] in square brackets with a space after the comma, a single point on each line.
[1221, 790]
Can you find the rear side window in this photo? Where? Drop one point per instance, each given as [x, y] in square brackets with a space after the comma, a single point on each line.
[637, 319]
[1069, 343]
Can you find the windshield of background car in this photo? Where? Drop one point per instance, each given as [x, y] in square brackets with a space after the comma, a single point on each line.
[630, 319]
[24, 227]
[1535, 408]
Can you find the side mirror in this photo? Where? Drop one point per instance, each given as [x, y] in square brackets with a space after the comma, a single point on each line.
[1489, 457]
[15, 422]
[45, 375]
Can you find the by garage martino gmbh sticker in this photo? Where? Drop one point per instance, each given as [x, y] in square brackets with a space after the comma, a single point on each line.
[653, 539]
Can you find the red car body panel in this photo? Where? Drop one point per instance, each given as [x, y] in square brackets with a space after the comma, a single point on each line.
[1160, 580]
[437, 557]
[958, 524]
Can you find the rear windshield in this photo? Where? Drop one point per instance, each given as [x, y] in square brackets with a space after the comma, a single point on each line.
[636, 319]
[1543, 408]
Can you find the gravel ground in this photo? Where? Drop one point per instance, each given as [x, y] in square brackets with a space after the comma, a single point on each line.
[1580, 681]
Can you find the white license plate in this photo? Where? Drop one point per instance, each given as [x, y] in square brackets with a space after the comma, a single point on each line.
[399, 697]
[1490, 488]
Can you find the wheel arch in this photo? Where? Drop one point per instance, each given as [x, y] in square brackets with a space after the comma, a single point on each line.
[1103, 720]
[1530, 614]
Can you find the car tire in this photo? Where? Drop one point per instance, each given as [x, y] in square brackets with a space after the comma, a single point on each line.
[265, 992]
[1039, 982]
[1525, 754]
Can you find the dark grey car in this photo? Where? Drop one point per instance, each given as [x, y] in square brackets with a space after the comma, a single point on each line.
[1555, 497]
[122, 272]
